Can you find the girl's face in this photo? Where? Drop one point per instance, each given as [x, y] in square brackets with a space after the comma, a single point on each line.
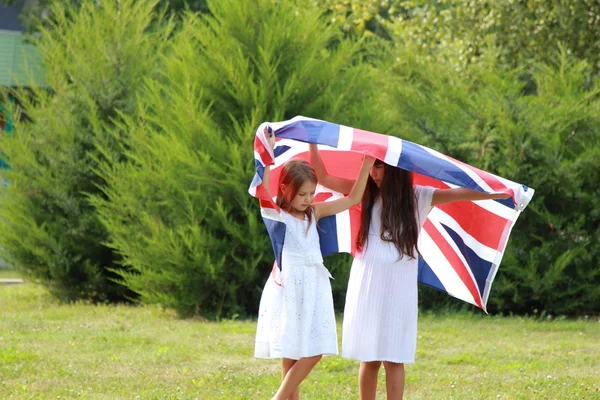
[304, 197]
[376, 173]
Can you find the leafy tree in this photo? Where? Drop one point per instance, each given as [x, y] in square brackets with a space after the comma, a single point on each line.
[548, 140]
[523, 32]
[178, 210]
[363, 17]
[96, 57]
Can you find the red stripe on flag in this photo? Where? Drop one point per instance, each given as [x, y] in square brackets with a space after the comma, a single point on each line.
[454, 260]
[262, 193]
[345, 164]
[264, 200]
[491, 180]
[485, 226]
[268, 204]
[321, 197]
[262, 151]
[370, 143]
[423, 180]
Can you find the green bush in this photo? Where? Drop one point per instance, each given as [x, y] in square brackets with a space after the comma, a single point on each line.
[178, 210]
[548, 140]
[96, 58]
[519, 33]
[129, 176]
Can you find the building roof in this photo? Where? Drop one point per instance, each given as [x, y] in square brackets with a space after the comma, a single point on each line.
[20, 62]
[9, 17]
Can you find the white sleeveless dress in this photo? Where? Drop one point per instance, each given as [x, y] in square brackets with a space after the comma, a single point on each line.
[296, 317]
[380, 315]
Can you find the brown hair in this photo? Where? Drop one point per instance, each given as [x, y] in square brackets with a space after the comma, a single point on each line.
[398, 211]
[294, 174]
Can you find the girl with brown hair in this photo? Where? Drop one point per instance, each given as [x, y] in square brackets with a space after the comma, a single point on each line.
[296, 319]
[380, 314]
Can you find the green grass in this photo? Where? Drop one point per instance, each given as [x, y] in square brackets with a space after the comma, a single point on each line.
[8, 274]
[82, 351]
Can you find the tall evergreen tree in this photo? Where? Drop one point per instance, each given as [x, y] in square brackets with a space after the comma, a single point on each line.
[96, 57]
[178, 211]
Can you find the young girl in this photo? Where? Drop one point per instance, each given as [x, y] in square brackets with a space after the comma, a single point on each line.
[296, 319]
[380, 315]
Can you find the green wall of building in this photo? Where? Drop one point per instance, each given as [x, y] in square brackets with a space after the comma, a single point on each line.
[19, 61]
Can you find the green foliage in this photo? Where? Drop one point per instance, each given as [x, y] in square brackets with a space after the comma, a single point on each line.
[522, 32]
[161, 206]
[178, 210]
[548, 140]
[363, 17]
[556, 150]
[50, 231]
[38, 13]
[155, 125]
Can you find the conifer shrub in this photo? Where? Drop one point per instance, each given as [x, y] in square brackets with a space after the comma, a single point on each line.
[177, 208]
[96, 57]
[543, 132]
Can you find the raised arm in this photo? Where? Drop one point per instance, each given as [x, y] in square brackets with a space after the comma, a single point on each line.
[333, 207]
[338, 184]
[267, 171]
[266, 178]
[443, 196]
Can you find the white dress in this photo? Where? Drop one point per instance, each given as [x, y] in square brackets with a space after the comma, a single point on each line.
[380, 315]
[296, 317]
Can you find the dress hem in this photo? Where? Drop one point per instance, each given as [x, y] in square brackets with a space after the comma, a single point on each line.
[293, 358]
[396, 361]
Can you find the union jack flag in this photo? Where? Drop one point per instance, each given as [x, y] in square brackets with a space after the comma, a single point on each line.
[461, 243]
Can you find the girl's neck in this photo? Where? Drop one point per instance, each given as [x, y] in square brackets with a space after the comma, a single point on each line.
[297, 214]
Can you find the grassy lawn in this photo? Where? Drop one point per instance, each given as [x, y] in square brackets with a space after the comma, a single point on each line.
[8, 274]
[49, 351]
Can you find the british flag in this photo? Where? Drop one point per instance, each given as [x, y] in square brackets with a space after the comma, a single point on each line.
[461, 243]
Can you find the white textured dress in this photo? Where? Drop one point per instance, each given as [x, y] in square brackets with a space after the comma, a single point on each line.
[380, 315]
[296, 317]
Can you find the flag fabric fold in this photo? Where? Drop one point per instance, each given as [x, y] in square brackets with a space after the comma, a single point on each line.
[461, 243]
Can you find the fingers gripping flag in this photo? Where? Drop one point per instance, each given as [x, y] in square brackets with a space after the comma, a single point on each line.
[461, 243]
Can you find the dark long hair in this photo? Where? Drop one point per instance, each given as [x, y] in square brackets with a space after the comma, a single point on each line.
[293, 175]
[398, 211]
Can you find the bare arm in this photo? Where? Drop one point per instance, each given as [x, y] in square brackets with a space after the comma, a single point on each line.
[338, 184]
[267, 171]
[333, 207]
[443, 196]
[265, 179]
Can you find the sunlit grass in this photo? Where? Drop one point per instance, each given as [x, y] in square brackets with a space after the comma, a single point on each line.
[9, 274]
[85, 351]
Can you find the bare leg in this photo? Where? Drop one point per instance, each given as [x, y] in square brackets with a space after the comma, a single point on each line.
[367, 379]
[286, 365]
[295, 376]
[394, 380]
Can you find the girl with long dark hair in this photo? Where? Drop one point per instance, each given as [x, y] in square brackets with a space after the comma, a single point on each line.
[380, 315]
